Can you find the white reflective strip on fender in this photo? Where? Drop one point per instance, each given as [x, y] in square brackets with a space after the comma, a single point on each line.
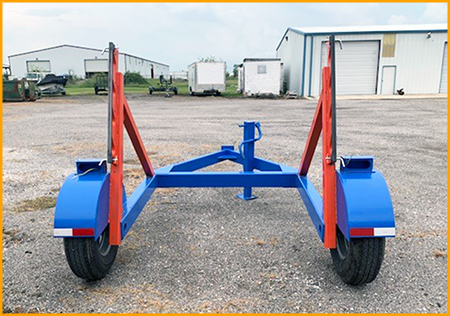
[62, 232]
[384, 231]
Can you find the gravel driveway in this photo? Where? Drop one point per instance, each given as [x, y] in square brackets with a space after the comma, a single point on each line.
[203, 250]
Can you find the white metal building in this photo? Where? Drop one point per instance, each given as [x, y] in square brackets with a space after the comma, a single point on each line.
[181, 75]
[261, 76]
[81, 62]
[379, 59]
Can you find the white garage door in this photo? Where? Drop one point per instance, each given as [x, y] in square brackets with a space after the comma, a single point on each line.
[96, 65]
[443, 88]
[38, 66]
[356, 67]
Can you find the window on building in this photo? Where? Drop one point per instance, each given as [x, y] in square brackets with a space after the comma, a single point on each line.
[388, 45]
[262, 69]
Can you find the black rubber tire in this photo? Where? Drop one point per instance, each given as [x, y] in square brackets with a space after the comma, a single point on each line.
[150, 91]
[90, 259]
[96, 90]
[358, 262]
[175, 91]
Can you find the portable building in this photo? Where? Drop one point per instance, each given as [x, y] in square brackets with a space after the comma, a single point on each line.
[81, 62]
[261, 76]
[378, 59]
[207, 77]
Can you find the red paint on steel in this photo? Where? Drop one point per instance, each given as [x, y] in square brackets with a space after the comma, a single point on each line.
[121, 116]
[136, 140]
[329, 169]
[83, 232]
[322, 122]
[116, 176]
[313, 139]
[358, 232]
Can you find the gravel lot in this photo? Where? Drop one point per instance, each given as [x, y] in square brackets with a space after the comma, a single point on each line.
[203, 250]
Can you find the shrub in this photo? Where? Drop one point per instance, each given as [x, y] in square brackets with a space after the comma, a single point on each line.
[90, 83]
[134, 78]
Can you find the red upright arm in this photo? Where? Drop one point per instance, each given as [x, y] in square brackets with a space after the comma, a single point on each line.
[329, 169]
[323, 121]
[121, 115]
[116, 176]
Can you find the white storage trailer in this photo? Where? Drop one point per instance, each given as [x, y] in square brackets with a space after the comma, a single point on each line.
[259, 76]
[207, 77]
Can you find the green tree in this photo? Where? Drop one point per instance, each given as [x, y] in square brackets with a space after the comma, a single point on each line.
[235, 70]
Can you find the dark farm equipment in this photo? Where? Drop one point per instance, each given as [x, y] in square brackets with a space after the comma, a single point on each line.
[100, 83]
[17, 90]
[164, 85]
[355, 214]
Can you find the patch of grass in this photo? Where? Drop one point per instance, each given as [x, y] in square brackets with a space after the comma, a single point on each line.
[133, 77]
[231, 89]
[86, 87]
[37, 204]
[78, 90]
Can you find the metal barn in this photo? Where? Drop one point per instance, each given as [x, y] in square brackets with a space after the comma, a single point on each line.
[261, 76]
[379, 59]
[80, 61]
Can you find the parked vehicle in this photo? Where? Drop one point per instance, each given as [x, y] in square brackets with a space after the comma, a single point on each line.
[164, 85]
[35, 77]
[101, 83]
[53, 84]
[207, 77]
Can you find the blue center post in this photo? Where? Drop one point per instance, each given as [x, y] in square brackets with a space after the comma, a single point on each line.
[248, 155]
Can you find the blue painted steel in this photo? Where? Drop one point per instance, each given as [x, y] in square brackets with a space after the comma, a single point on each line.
[250, 126]
[199, 162]
[249, 154]
[136, 203]
[227, 155]
[83, 200]
[363, 199]
[311, 57]
[358, 164]
[88, 165]
[225, 179]
[303, 67]
[265, 165]
[313, 202]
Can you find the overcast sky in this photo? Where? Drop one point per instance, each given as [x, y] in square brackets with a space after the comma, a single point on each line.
[180, 33]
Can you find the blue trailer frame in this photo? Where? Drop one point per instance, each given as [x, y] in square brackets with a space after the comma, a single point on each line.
[359, 194]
